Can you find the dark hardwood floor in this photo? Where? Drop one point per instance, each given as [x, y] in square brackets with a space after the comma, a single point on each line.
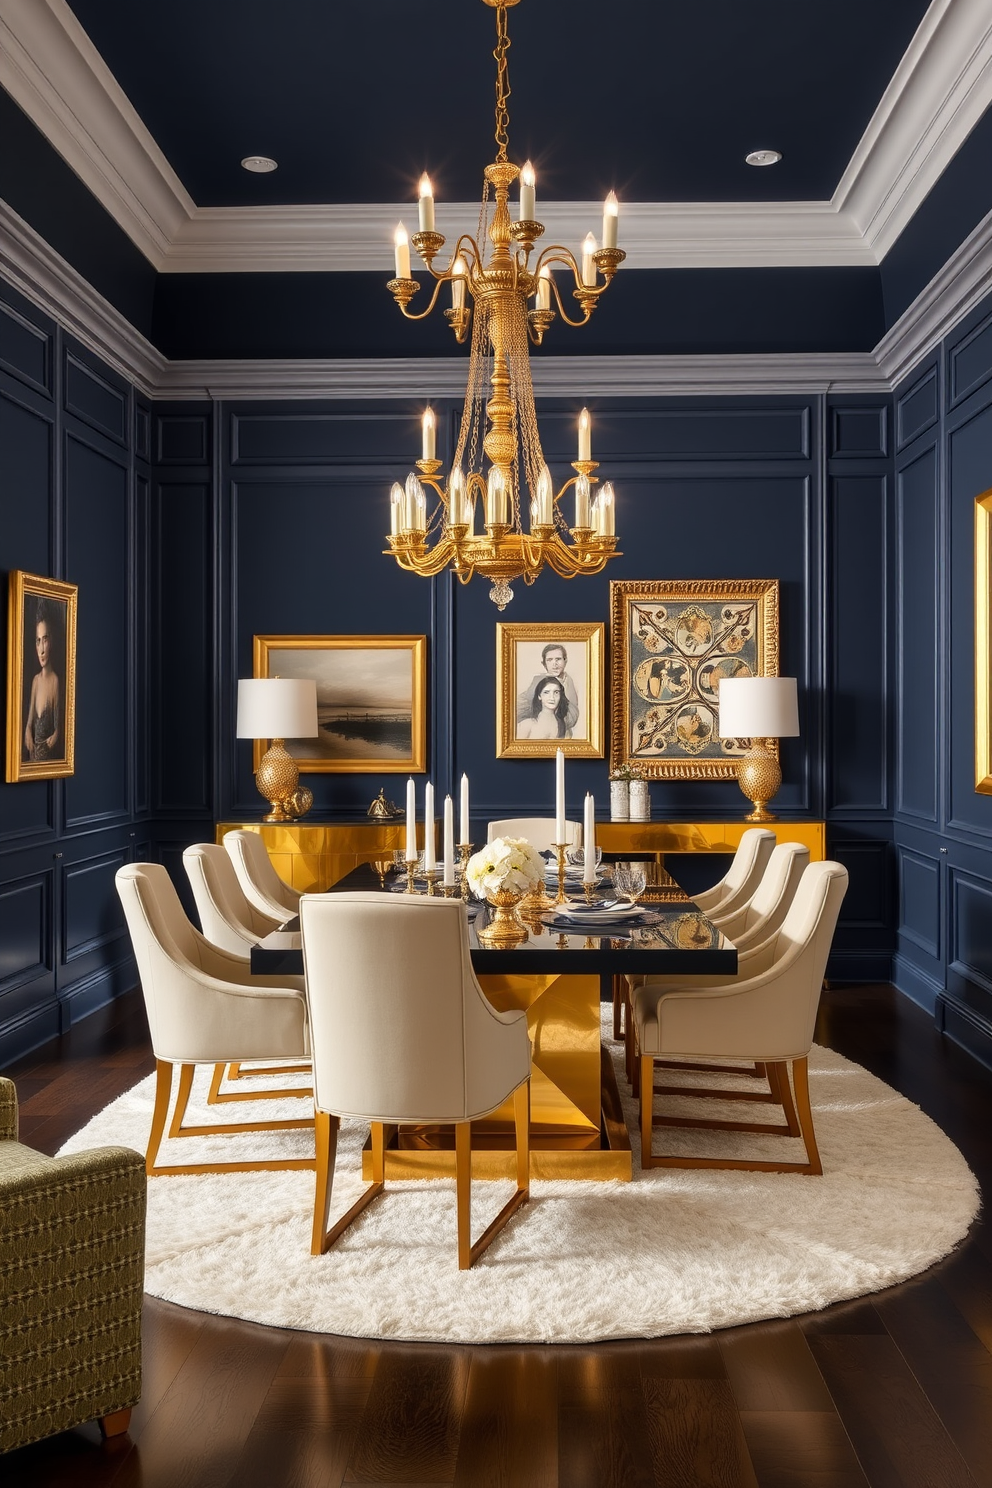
[894, 1391]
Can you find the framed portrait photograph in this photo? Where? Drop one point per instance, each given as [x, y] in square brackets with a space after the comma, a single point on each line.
[371, 700]
[549, 690]
[41, 677]
[672, 643]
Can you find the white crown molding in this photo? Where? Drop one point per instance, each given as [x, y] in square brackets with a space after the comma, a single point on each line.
[952, 293]
[937, 95]
[52, 70]
[44, 277]
[939, 90]
[655, 235]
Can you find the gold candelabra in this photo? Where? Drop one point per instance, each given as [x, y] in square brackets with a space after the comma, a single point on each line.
[499, 401]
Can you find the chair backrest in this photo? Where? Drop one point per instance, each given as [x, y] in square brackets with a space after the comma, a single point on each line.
[226, 917]
[538, 830]
[743, 875]
[260, 883]
[400, 1028]
[768, 906]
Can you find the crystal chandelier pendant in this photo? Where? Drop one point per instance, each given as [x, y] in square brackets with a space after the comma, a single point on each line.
[509, 299]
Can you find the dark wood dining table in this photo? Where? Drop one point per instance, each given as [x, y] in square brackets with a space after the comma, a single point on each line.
[560, 976]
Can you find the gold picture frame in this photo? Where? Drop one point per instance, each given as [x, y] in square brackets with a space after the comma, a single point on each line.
[672, 641]
[41, 677]
[983, 644]
[528, 658]
[371, 688]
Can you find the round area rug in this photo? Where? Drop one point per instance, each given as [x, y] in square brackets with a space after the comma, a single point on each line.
[672, 1252]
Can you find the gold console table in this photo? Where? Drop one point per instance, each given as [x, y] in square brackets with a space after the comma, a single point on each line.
[662, 837]
[315, 855]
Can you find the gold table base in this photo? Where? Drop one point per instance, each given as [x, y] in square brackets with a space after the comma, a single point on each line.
[576, 1127]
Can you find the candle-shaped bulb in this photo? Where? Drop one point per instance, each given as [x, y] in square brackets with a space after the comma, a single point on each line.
[607, 525]
[496, 497]
[395, 508]
[582, 490]
[416, 504]
[585, 435]
[611, 211]
[544, 497]
[456, 497]
[426, 204]
[588, 263]
[544, 288]
[401, 248]
[428, 430]
[527, 195]
[459, 271]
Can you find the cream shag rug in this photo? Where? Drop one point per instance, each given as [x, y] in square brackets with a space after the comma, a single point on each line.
[671, 1252]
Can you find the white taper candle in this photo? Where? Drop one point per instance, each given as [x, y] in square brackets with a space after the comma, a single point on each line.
[411, 821]
[449, 840]
[589, 840]
[464, 825]
[430, 856]
[559, 796]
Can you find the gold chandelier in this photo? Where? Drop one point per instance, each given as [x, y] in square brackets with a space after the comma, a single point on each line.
[513, 303]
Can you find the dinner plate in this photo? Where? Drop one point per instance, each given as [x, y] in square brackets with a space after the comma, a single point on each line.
[600, 911]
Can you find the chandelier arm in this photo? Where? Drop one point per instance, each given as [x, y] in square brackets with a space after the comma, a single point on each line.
[473, 259]
[407, 315]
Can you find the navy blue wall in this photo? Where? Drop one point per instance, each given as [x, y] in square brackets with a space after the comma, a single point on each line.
[192, 527]
[943, 828]
[75, 482]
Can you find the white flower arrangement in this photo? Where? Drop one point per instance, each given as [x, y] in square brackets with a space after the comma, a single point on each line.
[505, 863]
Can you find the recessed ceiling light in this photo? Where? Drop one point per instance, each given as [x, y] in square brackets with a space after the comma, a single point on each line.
[763, 157]
[260, 164]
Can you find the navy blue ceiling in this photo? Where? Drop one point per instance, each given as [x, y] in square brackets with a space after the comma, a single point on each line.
[661, 101]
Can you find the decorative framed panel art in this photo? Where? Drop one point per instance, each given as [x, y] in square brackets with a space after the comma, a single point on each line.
[549, 690]
[672, 642]
[983, 644]
[41, 677]
[371, 701]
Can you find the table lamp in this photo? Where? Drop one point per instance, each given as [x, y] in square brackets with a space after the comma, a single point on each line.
[759, 709]
[278, 708]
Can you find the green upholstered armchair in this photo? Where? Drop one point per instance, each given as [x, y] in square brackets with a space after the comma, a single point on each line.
[72, 1233]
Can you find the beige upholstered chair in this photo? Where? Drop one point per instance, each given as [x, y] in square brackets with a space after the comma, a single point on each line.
[72, 1265]
[743, 875]
[229, 922]
[402, 1033]
[755, 922]
[538, 830]
[768, 1016]
[204, 1007]
[260, 883]
[227, 918]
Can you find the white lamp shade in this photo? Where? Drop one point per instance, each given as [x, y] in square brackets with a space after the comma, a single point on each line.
[277, 708]
[758, 708]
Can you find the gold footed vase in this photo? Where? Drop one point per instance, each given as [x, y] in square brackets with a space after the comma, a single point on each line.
[504, 928]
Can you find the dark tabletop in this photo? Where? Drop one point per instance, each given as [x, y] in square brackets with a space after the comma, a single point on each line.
[677, 938]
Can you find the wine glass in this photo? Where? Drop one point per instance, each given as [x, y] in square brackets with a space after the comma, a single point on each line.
[630, 880]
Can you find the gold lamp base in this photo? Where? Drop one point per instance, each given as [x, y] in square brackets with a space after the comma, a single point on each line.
[278, 780]
[759, 776]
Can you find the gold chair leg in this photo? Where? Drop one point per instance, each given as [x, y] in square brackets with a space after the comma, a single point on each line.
[778, 1080]
[644, 1069]
[619, 998]
[326, 1138]
[800, 1077]
[163, 1086]
[468, 1253]
[235, 1072]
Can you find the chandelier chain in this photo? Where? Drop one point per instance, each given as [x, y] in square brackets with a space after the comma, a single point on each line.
[502, 84]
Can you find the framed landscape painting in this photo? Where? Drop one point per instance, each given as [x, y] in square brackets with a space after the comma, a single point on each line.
[371, 700]
[41, 677]
[549, 690]
[672, 643]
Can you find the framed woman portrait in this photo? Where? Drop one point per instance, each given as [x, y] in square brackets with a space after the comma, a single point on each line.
[549, 690]
[41, 677]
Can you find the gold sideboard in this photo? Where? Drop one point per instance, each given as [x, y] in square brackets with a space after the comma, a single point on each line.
[703, 837]
[314, 855]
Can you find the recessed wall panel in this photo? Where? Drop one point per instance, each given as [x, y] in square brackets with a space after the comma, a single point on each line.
[918, 643]
[858, 642]
[971, 926]
[25, 349]
[307, 439]
[916, 409]
[95, 400]
[96, 498]
[183, 640]
[919, 900]
[25, 918]
[970, 362]
[859, 433]
[91, 908]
